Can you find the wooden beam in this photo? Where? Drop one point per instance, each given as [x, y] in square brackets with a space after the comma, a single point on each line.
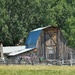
[57, 49]
[44, 45]
[49, 45]
[51, 37]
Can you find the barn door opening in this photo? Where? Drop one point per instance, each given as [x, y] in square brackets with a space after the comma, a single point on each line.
[50, 53]
[51, 56]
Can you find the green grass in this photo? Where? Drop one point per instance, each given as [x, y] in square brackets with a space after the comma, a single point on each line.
[36, 70]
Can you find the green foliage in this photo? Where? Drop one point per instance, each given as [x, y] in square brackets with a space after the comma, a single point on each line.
[19, 17]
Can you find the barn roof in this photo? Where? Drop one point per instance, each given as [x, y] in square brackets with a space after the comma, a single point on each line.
[20, 51]
[9, 49]
[15, 50]
[32, 39]
[33, 36]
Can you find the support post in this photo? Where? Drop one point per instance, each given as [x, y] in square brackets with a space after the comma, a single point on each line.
[1, 50]
[57, 54]
[71, 58]
[44, 45]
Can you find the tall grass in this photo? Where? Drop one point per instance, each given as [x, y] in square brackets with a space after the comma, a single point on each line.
[36, 70]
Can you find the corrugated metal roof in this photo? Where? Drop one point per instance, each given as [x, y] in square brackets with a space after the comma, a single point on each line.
[33, 37]
[12, 48]
[20, 51]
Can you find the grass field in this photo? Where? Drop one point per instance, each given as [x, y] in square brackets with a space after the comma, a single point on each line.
[36, 70]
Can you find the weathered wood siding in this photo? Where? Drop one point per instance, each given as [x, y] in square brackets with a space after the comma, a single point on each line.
[40, 45]
[51, 44]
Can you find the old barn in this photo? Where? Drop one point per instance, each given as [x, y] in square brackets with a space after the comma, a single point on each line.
[47, 43]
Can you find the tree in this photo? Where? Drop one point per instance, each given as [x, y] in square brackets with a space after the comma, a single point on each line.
[19, 17]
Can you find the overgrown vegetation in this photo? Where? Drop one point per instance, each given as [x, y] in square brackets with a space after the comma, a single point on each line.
[36, 70]
[19, 17]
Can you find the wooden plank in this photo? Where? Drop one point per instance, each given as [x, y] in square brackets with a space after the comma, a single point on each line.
[57, 54]
[44, 45]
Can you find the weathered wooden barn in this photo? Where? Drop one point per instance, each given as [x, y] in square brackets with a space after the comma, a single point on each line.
[46, 43]
[49, 42]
